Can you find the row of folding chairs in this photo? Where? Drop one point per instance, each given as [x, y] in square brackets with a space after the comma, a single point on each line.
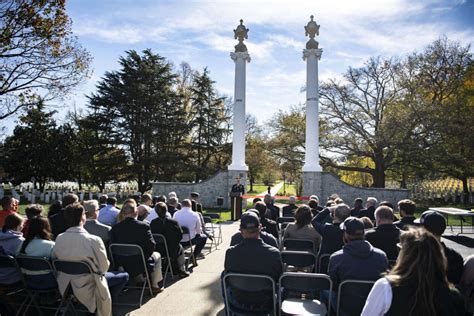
[297, 293]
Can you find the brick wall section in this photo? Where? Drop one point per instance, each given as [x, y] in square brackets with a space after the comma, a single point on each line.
[209, 190]
[323, 184]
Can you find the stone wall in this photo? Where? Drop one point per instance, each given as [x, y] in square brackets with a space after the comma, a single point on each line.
[323, 184]
[215, 187]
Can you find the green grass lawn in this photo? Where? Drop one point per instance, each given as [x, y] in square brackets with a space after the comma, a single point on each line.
[257, 188]
[287, 189]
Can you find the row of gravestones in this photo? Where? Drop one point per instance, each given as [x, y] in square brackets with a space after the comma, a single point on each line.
[448, 197]
[50, 196]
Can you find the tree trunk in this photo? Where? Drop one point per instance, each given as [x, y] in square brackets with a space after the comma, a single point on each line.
[465, 190]
[378, 174]
[251, 183]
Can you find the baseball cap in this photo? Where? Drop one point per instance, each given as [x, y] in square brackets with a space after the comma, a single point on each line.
[353, 226]
[249, 220]
[432, 221]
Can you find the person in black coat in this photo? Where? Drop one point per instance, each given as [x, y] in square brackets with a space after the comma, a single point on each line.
[57, 221]
[274, 211]
[270, 226]
[385, 235]
[132, 231]
[357, 207]
[370, 209]
[289, 210]
[173, 234]
[407, 210]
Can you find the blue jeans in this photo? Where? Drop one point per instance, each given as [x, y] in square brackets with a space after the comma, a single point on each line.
[116, 281]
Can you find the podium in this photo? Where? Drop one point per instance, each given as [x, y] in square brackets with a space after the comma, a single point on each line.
[236, 205]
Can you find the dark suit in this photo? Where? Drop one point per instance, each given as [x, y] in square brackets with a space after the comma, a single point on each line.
[385, 237]
[173, 234]
[274, 211]
[131, 231]
[288, 211]
[368, 212]
[58, 224]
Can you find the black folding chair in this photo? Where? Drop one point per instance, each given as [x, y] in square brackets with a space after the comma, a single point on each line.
[74, 268]
[250, 284]
[211, 231]
[16, 289]
[36, 264]
[188, 248]
[162, 248]
[305, 284]
[216, 217]
[130, 257]
[298, 244]
[323, 263]
[352, 295]
[298, 259]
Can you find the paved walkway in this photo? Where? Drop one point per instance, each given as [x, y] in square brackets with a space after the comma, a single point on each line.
[200, 293]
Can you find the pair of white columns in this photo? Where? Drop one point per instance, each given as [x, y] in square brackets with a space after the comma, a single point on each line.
[312, 112]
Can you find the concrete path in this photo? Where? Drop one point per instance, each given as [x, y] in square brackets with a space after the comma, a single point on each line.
[273, 191]
[200, 293]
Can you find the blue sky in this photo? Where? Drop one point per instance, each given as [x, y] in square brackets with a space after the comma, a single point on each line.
[201, 33]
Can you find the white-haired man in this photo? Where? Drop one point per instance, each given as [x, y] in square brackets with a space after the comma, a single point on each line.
[369, 211]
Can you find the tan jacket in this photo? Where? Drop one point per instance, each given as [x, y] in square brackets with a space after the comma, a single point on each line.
[76, 244]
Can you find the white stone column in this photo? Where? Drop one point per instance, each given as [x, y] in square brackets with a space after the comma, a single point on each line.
[238, 135]
[311, 163]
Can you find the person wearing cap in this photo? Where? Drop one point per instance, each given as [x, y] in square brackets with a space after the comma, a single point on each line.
[273, 210]
[407, 210]
[357, 259]
[358, 206]
[270, 226]
[289, 210]
[252, 256]
[369, 211]
[331, 233]
[266, 237]
[435, 223]
[385, 235]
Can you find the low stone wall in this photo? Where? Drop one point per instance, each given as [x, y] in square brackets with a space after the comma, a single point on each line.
[323, 184]
[209, 190]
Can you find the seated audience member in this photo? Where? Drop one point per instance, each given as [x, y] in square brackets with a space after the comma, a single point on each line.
[121, 216]
[407, 210]
[435, 223]
[270, 226]
[331, 234]
[195, 198]
[358, 206]
[316, 199]
[289, 210]
[76, 244]
[38, 243]
[92, 225]
[57, 221]
[267, 238]
[254, 202]
[389, 204]
[313, 205]
[466, 285]
[369, 209]
[172, 205]
[367, 223]
[302, 228]
[31, 211]
[11, 240]
[135, 232]
[187, 218]
[103, 201]
[385, 235]
[143, 213]
[252, 256]
[55, 208]
[147, 202]
[357, 260]
[273, 210]
[174, 195]
[173, 234]
[108, 214]
[417, 284]
[8, 207]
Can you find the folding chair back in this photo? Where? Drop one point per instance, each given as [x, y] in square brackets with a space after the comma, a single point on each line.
[298, 244]
[352, 295]
[162, 248]
[323, 263]
[130, 257]
[9, 264]
[214, 218]
[188, 247]
[298, 259]
[250, 284]
[281, 220]
[75, 268]
[307, 283]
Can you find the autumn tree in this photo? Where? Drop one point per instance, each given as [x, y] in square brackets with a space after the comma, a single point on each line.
[38, 54]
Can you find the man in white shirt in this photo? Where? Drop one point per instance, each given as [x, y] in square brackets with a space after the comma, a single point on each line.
[187, 218]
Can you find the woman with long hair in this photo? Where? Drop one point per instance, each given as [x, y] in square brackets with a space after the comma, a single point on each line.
[417, 284]
[302, 228]
[38, 243]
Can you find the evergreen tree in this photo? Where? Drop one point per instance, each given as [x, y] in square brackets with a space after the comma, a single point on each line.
[209, 124]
